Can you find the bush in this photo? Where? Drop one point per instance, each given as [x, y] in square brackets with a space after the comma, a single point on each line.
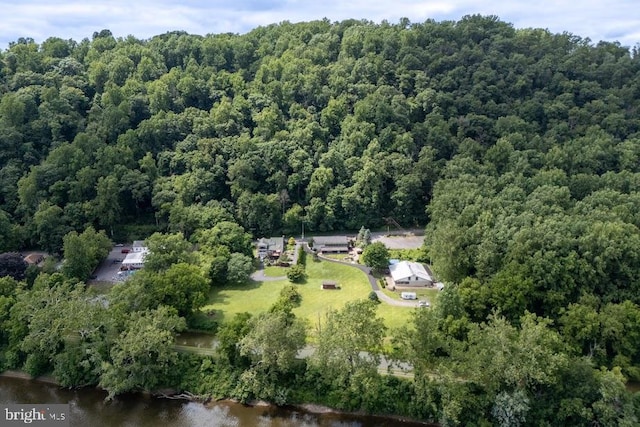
[296, 274]
[290, 294]
[202, 321]
[374, 297]
[302, 256]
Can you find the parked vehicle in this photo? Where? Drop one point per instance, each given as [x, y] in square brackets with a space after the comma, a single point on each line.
[423, 304]
[408, 295]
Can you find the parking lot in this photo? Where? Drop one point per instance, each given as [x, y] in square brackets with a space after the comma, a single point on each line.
[410, 240]
[108, 270]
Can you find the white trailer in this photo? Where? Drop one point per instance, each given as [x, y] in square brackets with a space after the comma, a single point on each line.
[408, 295]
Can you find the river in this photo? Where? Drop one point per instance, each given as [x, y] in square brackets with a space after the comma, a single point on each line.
[88, 408]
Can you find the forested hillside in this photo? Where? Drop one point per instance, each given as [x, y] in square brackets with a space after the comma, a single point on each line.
[341, 124]
[518, 149]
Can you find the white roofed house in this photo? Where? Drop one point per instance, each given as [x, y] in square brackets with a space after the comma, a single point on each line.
[408, 273]
[135, 260]
[139, 246]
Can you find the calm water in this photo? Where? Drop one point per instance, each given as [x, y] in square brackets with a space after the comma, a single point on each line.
[87, 408]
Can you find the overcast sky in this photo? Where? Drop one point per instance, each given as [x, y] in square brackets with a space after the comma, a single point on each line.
[611, 20]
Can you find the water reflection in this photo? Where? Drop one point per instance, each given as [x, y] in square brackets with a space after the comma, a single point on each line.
[88, 408]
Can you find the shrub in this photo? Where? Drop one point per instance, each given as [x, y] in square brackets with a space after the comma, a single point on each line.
[302, 256]
[296, 274]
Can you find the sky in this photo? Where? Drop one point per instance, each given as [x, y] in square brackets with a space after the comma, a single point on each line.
[610, 20]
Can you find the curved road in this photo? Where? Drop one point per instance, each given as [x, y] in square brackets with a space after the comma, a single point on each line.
[259, 276]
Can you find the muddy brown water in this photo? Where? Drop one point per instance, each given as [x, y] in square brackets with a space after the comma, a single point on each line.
[88, 408]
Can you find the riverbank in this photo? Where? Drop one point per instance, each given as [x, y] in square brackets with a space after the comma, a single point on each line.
[305, 408]
[24, 376]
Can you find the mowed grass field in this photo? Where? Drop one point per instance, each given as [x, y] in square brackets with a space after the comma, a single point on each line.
[427, 294]
[256, 297]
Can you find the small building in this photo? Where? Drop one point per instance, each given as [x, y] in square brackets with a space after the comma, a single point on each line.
[139, 246]
[34, 259]
[133, 260]
[408, 273]
[331, 244]
[327, 284]
[272, 247]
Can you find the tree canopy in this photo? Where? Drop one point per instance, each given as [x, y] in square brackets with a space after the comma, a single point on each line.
[517, 149]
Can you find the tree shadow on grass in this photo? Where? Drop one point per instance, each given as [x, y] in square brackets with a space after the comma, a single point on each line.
[217, 297]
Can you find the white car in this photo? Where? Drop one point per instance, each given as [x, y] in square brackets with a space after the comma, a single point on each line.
[423, 304]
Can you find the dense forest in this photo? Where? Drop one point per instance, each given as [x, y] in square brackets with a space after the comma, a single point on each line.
[517, 149]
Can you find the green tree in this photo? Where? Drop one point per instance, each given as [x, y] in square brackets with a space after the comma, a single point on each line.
[219, 264]
[50, 226]
[296, 273]
[166, 250]
[83, 252]
[229, 335]
[272, 344]
[183, 287]
[142, 356]
[239, 268]
[229, 234]
[107, 207]
[349, 341]
[376, 256]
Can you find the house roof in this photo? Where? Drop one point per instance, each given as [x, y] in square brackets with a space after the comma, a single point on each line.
[404, 269]
[33, 258]
[134, 258]
[272, 243]
[330, 241]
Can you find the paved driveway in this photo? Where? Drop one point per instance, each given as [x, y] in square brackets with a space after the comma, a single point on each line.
[108, 270]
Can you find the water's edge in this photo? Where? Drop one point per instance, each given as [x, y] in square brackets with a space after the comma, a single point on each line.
[310, 408]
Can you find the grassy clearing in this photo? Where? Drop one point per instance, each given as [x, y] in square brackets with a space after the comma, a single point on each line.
[395, 317]
[257, 297]
[274, 271]
[428, 294]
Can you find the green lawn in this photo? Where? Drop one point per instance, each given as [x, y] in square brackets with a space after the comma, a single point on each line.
[400, 316]
[395, 317]
[428, 294]
[274, 271]
[257, 297]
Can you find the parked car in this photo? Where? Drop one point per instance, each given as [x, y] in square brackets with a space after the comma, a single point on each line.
[125, 251]
[423, 304]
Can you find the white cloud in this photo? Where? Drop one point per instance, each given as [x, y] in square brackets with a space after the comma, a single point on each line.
[39, 19]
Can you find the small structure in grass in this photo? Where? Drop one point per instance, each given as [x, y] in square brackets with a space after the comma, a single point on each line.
[328, 284]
